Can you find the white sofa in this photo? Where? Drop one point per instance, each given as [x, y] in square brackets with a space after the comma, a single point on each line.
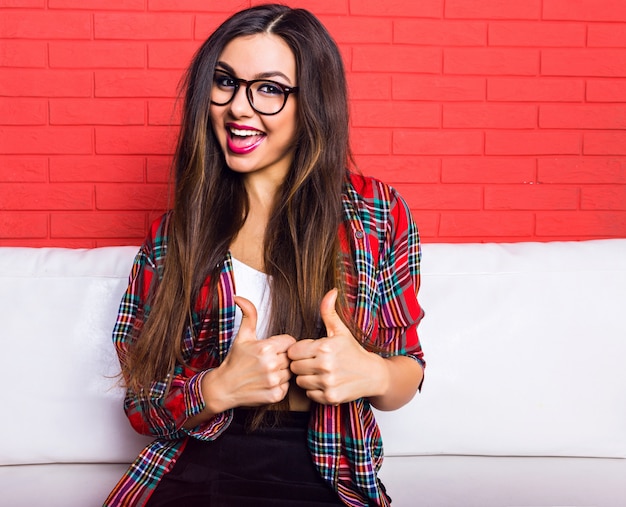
[524, 402]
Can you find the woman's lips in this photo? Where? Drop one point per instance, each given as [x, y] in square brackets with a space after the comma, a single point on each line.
[242, 140]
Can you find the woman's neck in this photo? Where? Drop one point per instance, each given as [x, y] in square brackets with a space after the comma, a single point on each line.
[247, 246]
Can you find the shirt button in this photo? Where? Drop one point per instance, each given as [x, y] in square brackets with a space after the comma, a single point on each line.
[359, 234]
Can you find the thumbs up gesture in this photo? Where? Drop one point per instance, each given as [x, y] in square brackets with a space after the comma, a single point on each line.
[255, 372]
[335, 369]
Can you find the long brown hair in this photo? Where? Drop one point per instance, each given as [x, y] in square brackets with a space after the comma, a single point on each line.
[210, 205]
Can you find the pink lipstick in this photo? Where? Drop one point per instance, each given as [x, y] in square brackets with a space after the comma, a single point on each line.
[242, 139]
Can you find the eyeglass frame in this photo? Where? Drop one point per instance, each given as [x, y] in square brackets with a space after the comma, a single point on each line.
[287, 90]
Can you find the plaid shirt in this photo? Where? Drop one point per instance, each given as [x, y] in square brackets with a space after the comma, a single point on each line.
[344, 441]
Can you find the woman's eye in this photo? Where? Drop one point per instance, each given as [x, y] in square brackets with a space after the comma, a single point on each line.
[270, 89]
[225, 82]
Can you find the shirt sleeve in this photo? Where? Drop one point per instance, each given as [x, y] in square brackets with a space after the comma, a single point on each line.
[398, 279]
[161, 409]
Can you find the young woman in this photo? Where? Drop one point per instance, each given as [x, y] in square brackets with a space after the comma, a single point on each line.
[277, 301]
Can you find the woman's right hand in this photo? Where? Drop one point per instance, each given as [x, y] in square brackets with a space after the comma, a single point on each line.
[255, 372]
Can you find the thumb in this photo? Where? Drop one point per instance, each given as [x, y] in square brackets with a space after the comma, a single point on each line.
[332, 321]
[247, 330]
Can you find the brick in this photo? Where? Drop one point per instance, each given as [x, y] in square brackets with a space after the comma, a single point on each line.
[372, 86]
[606, 90]
[369, 141]
[164, 112]
[427, 224]
[584, 62]
[491, 61]
[489, 116]
[401, 8]
[46, 196]
[90, 168]
[53, 243]
[143, 26]
[225, 6]
[493, 9]
[100, 5]
[408, 142]
[521, 142]
[318, 7]
[575, 116]
[171, 55]
[604, 197]
[97, 112]
[45, 83]
[585, 10]
[603, 36]
[45, 25]
[395, 114]
[158, 169]
[131, 196]
[205, 24]
[442, 197]
[22, 225]
[23, 4]
[18, 168]
[439, 32]
[531, 89]
[136, 242]
[401, 169]
[18, 111]
[487, 224]
[590, 224]
[23, 53]
[537, 34]
[438, 88]
[488, 170]
[604, 143]
[98, 224]
[351, 30]
[390, 58]
[97, 55]
[135, 140]
[531, 197]
[582, 170]
[137, 83]
[45, 140]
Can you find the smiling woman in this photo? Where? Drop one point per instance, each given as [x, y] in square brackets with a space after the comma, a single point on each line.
[276, 303]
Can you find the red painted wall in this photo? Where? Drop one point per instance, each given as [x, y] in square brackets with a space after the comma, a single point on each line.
[498, 120]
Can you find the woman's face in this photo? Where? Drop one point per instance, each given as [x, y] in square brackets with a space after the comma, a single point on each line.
[254, 143]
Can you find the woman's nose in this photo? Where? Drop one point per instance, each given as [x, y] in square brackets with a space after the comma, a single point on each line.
[240, 105]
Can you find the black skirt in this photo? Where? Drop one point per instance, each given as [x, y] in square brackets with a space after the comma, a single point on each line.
[268, 467]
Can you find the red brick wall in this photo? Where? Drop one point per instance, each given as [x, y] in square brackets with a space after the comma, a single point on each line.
[498, 120]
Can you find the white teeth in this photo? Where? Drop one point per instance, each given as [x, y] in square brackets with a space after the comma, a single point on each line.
[244, 133]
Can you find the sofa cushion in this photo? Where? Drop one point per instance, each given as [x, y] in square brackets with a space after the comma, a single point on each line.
[481, 481]
[58, 485]
[434, 481]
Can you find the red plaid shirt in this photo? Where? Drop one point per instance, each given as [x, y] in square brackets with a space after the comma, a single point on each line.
[344, 441]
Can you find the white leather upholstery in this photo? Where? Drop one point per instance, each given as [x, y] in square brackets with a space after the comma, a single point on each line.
[524, 401]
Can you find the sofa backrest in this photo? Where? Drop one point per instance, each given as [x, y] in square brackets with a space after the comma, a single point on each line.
[57, 364]
[525, 345]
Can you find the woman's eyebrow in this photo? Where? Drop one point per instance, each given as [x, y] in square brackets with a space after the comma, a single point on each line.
[262, 75]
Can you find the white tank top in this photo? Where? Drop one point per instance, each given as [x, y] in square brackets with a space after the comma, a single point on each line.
[254, 286]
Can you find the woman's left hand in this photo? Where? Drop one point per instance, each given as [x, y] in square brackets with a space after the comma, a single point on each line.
[336, 369]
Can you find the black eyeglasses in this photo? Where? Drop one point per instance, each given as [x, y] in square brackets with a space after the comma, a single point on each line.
[265, 96]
